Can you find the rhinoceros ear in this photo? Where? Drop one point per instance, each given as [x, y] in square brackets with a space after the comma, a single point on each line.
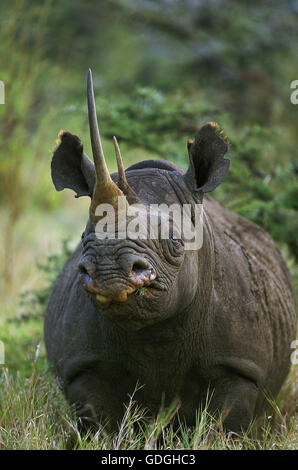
[71, 167]
[207, 165]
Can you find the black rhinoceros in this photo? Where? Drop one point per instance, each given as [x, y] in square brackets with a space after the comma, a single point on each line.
[215, 321]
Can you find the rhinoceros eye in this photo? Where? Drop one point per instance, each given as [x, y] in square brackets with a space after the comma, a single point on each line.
[82, 237]
[176, 245]
[176, 240]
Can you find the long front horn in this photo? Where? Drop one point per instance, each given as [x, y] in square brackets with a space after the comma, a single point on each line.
[105, 190]
[102, 171]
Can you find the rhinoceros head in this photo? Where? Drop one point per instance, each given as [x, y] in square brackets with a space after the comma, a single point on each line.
[134, 263]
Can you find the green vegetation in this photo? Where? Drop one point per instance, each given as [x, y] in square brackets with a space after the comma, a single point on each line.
[34, 415]
[141, 291]
[161, 69]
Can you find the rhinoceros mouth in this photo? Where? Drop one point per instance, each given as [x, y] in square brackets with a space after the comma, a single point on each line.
[104, 296]
[145, 293]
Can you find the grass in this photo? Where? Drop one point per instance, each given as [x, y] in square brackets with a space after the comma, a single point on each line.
[141, 290]
[34, 415]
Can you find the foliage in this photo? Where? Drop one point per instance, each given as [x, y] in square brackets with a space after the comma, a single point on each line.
[261, 187]
[33, 302]
[153, 121]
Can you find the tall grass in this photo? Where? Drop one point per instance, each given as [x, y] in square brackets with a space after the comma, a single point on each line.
[34, 415]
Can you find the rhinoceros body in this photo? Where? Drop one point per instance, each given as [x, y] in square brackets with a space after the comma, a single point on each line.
[215, 324]
[232, 334]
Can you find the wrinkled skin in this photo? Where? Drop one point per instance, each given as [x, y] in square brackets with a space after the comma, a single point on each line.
[215, 322]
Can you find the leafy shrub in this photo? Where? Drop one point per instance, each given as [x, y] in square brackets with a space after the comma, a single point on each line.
[33, 302]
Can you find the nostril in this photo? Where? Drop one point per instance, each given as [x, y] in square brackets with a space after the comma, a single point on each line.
[84, 273]
[142, 272]
[82, 269]
[139, 267]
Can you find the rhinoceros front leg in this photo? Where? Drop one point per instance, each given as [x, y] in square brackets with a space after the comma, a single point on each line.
[95, 401]
[236, 399]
